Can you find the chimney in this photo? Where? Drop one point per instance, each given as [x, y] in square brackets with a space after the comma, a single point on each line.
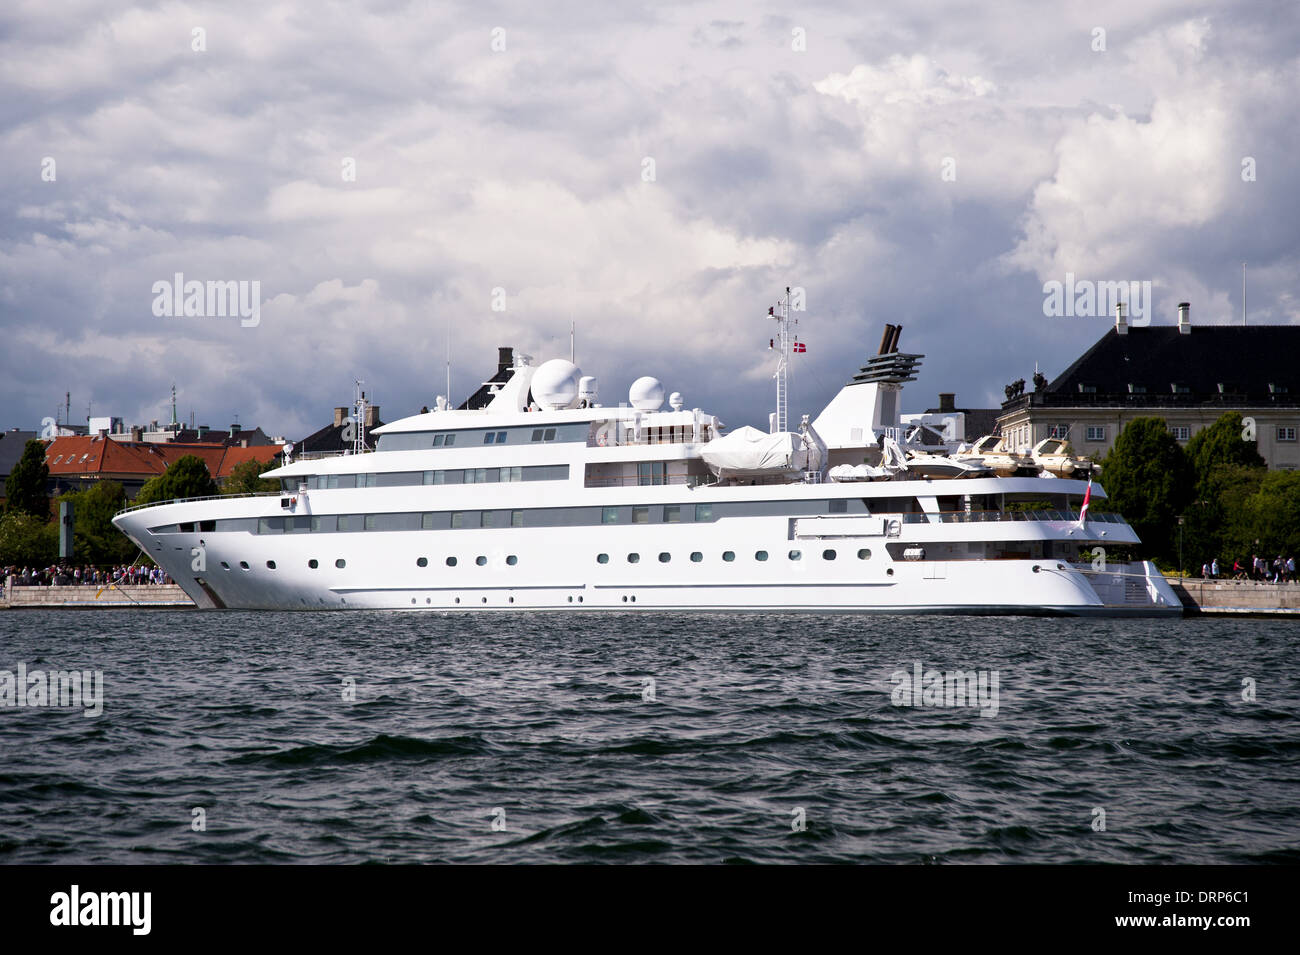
[339, 415]
[893, 345]
[885, 339]
[1121, 326]
[505, 358]
[372, 416]
[1185, 318]
[947, 401]
[137, 434]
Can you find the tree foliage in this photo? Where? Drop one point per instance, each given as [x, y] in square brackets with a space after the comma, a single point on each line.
[95, 539]
[27, 540]
[1149, 480]
[25, 487]
[246, 478]
[188, 477]
[1222, 443]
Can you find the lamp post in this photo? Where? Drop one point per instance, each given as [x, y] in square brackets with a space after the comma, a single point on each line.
[1180, 547]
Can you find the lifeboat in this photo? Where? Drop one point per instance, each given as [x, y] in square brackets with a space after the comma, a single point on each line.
[1055, 456]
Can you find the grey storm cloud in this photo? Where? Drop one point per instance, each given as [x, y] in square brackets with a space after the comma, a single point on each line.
[507, 146]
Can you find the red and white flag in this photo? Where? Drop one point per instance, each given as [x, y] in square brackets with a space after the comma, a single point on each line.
[1087, 498]
[800, 347]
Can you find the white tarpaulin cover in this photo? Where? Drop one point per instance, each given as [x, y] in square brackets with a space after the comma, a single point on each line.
[750, 451]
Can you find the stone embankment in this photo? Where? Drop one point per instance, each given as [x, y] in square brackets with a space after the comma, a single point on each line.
[1244, 597]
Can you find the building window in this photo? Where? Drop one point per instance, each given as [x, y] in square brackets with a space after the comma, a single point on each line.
[1181, 432]
[1286, 434]
[1060, 431]
[609, 515]
[1096, 432]
[640, 515]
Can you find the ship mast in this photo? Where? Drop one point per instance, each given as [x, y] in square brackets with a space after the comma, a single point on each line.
[780, 312]
[359, 405]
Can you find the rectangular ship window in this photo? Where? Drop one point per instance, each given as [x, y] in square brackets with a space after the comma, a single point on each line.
[672, 514]
[516, 518]
[457, 519]
[325, 524]
[704, 512]
[609, 515]
[640, 515]
[426, 522]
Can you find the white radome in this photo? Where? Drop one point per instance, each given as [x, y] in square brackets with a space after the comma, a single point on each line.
[555, 384]
[646, 394]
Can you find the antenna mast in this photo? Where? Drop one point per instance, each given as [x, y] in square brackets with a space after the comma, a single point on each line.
[359, 403]
[781, 344]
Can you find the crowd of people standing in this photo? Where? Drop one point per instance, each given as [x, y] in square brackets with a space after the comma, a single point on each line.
[1279, 570]
[64, 575]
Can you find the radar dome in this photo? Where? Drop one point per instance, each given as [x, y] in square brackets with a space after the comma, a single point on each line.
[555, 384]
[646, 394]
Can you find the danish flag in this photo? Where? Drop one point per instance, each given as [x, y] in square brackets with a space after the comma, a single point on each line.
[1087, 496]
[800, 347]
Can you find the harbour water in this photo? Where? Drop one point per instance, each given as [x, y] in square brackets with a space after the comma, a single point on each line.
[500, 738]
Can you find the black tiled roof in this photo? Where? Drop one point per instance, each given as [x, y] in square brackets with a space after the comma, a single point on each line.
[1244, 360]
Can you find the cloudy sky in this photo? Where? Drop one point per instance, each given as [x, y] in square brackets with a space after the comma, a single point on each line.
[655, 173]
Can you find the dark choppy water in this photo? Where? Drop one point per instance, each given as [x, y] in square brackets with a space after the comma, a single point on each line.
[544, 717]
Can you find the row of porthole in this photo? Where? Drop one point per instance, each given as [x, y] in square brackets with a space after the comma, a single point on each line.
[728, 555]
[481, 561]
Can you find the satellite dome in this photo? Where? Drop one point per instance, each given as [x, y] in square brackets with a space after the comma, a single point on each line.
[646, 394]
[555, 384]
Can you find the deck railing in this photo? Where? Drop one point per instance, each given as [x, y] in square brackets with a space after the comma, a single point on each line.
[210, 497]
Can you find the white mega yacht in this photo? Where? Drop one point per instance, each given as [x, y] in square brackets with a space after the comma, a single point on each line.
[539, 496]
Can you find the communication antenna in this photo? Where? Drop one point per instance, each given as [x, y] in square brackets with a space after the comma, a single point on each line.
[780, 312]
[448, 330]
[572, 333]
[359, 403]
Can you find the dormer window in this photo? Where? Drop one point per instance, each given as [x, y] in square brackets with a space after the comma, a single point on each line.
[1276, 389]
[1178, 389]
[1136, 389]
[1087, 389]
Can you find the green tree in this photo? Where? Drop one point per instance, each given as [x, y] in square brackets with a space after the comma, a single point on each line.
[1263, 513]
[1148, 479]
[27, 540]
[245, 478]
[25, 487]
[96, 540]
[188, 477]
[1219, 444]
